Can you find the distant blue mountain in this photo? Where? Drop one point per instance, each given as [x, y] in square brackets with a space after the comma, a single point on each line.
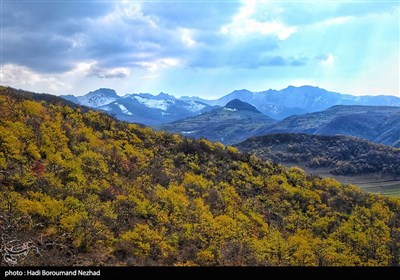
[163, 108]
[280, 104]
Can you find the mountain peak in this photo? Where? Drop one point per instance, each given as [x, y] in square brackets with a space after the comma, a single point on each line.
[163, 95]
[97, 98]
[241, 106]
[105, 92]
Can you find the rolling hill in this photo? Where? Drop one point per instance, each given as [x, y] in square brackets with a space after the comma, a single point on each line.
[233, 123]
[343, 155]
[375, 123]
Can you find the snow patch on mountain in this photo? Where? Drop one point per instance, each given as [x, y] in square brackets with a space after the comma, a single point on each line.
[194, 106]
[95, 101]
[124, 110]
[230, 109]
[155, 104]
[106, 108]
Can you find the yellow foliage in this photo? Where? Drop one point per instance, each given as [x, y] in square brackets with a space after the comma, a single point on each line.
[232, 150]
[117, 193]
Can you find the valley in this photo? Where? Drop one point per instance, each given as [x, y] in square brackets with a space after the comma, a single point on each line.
[375, 183]
[350, 160]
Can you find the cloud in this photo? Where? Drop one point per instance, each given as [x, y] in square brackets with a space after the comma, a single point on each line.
[187, 39]
[51, 14]
[325, 59]
[45, 36]
[158, 64]
[248, 26]
[104, 73]
[300, 61]
[209, 15]
[148, 35]
[38, 51]
[244, 23]
[17, 76]
[88, 43]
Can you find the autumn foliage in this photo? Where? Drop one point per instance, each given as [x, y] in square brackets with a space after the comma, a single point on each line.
[80, 188]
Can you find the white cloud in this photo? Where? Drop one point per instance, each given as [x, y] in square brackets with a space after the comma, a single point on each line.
[243, 23]
[326, 59]
[186, 37]
[334, 21]
[248, 26]
[330, 59]
[17, 76]
[158, 64]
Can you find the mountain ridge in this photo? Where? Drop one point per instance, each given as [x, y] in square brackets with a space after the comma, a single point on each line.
[277, 104]
[230, 124]
[373, 123]
[141, 108]
[293, 100]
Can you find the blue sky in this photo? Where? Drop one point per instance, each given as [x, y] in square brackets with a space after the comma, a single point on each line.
[201, 48]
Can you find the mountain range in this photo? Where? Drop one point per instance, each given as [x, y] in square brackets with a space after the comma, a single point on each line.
[233, 123]
[280, 104]
[160, 109]
[246, 114]
[140, 108]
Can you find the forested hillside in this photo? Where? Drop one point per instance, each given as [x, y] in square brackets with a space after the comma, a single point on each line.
[80, 188]
[343, 155]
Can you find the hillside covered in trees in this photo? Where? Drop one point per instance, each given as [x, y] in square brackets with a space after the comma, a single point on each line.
[343, 155]
[80, 188]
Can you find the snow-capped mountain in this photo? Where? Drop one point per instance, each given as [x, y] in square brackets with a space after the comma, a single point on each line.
[280, 104]
[142, 108]
[155, 110]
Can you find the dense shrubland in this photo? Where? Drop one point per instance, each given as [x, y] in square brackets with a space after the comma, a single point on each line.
[344, 155]
[78, 187]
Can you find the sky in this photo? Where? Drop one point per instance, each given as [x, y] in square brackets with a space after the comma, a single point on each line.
[200, 48]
